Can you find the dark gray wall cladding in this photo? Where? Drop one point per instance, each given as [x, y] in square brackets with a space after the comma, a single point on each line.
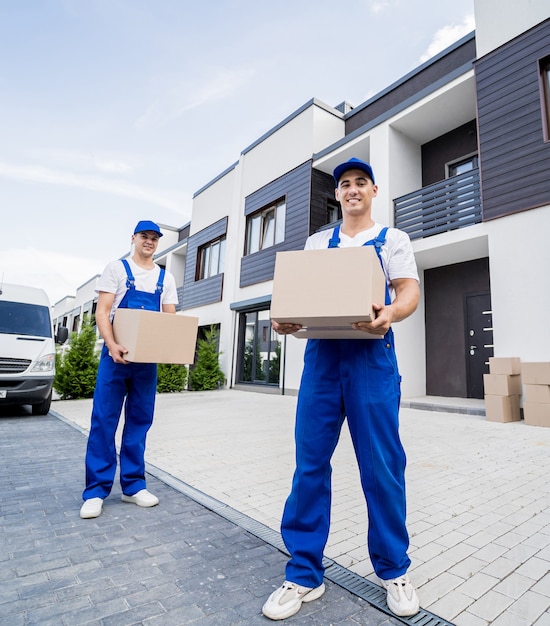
[449, 147]
[199, 292]
[295, 187]
[410, 86]
[514, 159]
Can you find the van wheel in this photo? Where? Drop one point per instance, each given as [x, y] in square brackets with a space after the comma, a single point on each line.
[44, 407]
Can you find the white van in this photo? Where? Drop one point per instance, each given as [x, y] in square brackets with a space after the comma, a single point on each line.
[27, 347]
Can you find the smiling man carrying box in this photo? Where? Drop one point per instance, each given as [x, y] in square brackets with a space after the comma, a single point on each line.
[136, 283]
[357, 379]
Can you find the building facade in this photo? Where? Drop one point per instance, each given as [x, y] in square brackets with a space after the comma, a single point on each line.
[461, 152]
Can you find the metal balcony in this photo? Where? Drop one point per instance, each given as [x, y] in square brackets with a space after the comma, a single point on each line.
[447, 205]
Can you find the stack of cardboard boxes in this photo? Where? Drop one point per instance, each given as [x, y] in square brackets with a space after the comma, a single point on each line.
[503, 389]
[536, 405]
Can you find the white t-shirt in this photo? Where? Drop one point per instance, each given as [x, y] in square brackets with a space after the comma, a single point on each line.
[397, 253]
[113, 280]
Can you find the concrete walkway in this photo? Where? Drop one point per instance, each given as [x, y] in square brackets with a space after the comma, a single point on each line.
[478, 493]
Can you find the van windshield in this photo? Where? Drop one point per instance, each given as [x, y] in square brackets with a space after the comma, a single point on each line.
[17, 318]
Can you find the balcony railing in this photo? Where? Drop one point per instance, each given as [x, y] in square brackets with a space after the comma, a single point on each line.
[447, 205]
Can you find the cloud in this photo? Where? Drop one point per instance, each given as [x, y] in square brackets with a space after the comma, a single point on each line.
[57, 273]
[114, 167]
[178, 101]
[447, 35]
[48, 176]
[377, 6]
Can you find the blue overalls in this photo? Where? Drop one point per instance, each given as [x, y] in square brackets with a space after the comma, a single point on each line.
[137, 382]
[357, 379]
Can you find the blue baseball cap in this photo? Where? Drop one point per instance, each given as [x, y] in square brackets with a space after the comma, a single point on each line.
[353, 164]
[147, 225]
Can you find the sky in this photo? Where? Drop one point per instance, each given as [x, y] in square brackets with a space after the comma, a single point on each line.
[113, 111]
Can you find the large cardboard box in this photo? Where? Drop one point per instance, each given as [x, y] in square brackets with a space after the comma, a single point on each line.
[327, 290]
[535, 373]
[505, 365]
[502, 408]
[155, 337]
[537, 393]
[502, 384]
[536, 414]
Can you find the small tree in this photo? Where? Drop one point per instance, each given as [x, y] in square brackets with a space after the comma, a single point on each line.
[207, 374]
[76, 371]
[171, 378]
[275, 364]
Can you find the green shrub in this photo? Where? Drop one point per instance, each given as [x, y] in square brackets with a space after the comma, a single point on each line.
[171, 378]
[207, 374]
[76, 371]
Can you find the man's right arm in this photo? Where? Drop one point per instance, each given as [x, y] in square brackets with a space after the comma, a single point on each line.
[103, 319]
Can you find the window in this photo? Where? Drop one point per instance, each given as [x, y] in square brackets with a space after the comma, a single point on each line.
[462, 196]
[464, 165]
[17, 318]
[259, 349]
[76, 323]
[211, 259]
[334, 212]
[545, 96]
[266, 227]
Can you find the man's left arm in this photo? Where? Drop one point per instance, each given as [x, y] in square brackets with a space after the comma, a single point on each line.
[407, 295]
[170, 293]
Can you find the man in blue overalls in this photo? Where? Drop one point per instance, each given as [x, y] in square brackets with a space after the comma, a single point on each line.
[357, 379]
[136, 283]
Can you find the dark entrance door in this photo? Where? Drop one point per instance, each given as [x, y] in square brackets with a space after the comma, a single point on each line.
[479, 340]
[448, 328]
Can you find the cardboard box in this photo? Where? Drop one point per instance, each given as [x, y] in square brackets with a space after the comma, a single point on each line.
[505, 365]
[327, 290]
[502, 408]
[536, 414]
[155, 337]
[537, 393]
[502, 384]
[535, 373]
[333, 332]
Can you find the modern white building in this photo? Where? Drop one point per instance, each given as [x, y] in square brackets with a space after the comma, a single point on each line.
[461, 153]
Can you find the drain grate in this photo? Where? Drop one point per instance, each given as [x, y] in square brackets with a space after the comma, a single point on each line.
[359, 586]
[375, 595]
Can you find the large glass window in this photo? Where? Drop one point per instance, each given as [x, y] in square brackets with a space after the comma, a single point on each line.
[211, 259]
[266, 227]
[259, 349]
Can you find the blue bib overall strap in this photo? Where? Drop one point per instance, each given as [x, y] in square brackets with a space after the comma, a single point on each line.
[377, 242]
[134, 299]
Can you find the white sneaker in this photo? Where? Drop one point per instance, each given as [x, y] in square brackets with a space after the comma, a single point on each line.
[142, 498]
[401, 596]
[287, 599]
[91, 508]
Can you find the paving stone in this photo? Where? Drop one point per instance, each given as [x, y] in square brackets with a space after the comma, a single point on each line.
[176, 564]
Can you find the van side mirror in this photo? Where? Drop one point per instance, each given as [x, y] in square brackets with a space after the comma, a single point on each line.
[62, 335]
